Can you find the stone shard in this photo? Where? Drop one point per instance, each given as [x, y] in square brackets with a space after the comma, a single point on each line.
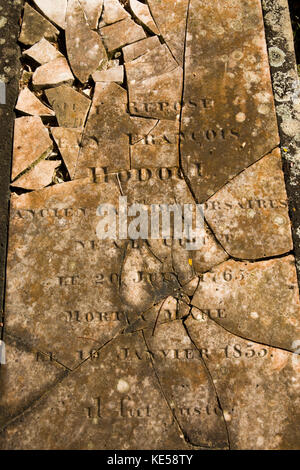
[137, 49]
[55, 10]
[52, 74]
[71, 107]
[26, 375]
[142, 13]
[258, 301]
[254, 385]
[39, 176]
[143, 127]
[114, 408]
[118, 35]
[157, 97]
[187, 386]
[42, 52]
[35, 27]
[28, 103]
[228, 89]
[84, 46]
[68, 141]
[113, 12]
[92, 10]
[72, 306]
[253, 210]
[31, 143]
[105, 141]
[114, 74]
[170, 17]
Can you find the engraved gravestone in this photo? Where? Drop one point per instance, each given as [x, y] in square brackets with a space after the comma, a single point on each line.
[151, 294]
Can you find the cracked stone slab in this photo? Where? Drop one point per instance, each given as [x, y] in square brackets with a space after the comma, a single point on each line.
[142, 13]
[42, 52]
[113, 12]
[71, 107]
[28, 103]
[92, 10]
[54, 10]
[259, 300]
[84, 46]
[31, 143]
[102, 406]
[257, 385]
[114, 74]
[26, 375]
[35, 27]
[170, 18]
[68, 142]
[39, 176]
[227, 88]
[253, 210]
[118, 35]
[73, 303]
[52, 74]
[137, 49]
[188, 386]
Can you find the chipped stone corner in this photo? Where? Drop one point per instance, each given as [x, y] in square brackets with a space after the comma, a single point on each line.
[286, 87]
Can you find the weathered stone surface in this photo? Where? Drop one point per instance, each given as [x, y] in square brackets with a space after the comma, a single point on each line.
[42, 52]
[26, 375]
[31, 142]
[115, 74]
[92, 10]
[135, 50]
[259, 301]
[35, 27]
[39, 176]
[52, 74]
[113, 12]
[28, 103]
[252, 209]
[113, 407]
[170, 17]
[55, 10]
[257, 386]
[68, 141]
[142, 13]
[84, 46]
[118, 35]
[227, 89]
[71, 108]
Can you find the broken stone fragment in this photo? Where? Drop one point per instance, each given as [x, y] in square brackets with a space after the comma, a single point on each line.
[187, 386]
[127, 399]
[70, 106]
[26, 375]
[142, 13]
[52, 74]
[42, 52]
[258, 301]
[143, 127]
[137, 49]
[252, 210]
[120, 34]
[84, 46]
[39, 176]
[68, 141]
[113, 12]
[157, 97]
[28, 103]
[257, 385]
[229, 91]
[115, 74]
[155, 62]
[55, 10]
[170, 18]
[35, 27]
[31, 143]
[92, 10]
